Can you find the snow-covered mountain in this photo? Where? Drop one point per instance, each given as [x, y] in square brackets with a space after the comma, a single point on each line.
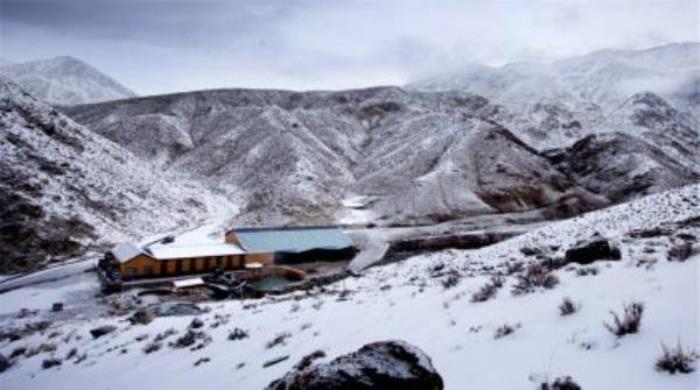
[65, 188]
[383, 155]
[416, 156]
[556, 103]
[65, 80]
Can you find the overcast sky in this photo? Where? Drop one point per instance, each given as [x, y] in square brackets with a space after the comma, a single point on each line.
[165, 46]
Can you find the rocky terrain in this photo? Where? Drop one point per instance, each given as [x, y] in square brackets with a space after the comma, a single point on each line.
[384, 156]
[556, 103]
[422, 157]
[64, 80]
[603, 300]
[66, 189]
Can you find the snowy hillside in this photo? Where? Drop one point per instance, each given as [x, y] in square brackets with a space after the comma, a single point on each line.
[65, 80]
[555, 103]
[65, 187]
[516, 334]
[297, 157]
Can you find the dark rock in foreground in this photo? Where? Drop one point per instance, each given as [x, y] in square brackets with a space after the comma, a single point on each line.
[5, 363]
[380, 365]
[102, 330]
[592, 251]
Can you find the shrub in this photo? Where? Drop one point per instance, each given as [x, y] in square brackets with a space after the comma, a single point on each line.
[201, 361]
[514, 267]
[535, 275]
[165, 334]
[485, 293]
[567, 307]
[630, 321]
[48, 363]
[307, 360]
[451, 280]
[488, 290]
[190, 338]
[152, 347]
[237, 334]
[72, 353]
[505, 330]
[677, 360]
[279, 339]
[196, 323]
[585, 271]
[565, 383]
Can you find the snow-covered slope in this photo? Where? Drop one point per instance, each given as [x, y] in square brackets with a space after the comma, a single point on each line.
[422, 156]
[64, 186]
[65, 81]
[551, 105]
[409, 301]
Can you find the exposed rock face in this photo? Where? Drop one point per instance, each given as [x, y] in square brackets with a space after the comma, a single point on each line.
[293, 157]
[102, 330]
[592, 251]
[551, 105]
[380, 365]
[423, 157]
[65, 190]
[619, 166]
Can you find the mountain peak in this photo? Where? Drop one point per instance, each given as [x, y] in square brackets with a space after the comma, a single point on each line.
[66, 80]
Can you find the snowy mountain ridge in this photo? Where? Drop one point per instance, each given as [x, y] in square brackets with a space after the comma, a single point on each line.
[65, 80]
[65, 188]
[423, 156]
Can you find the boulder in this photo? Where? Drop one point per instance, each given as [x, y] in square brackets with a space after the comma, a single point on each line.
[592, 251]
[5, 363]
[379, 365]
[142, 316]
[680, 252]
[102, 330]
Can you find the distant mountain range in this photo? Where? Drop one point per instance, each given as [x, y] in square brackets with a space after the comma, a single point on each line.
[64, 80]
[422, 156]
[551, 140]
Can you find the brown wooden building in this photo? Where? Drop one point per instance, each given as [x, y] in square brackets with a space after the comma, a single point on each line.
[173, 260]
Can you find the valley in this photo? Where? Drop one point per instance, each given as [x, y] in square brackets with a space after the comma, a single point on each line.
[480, 203]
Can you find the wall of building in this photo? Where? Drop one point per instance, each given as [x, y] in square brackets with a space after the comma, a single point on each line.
[143, 266]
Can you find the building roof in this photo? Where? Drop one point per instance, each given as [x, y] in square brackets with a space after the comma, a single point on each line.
[292, 239]
[124, 252]
[171, 251]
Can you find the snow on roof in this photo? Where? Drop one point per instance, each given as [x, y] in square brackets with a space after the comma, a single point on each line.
[125, 252]
[170, 251]
[292, 239]
[191, 282]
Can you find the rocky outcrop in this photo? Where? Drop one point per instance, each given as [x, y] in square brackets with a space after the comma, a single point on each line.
[64, 189]
[619, 166]
[599, 249]
[102, 330]
[380, 365]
